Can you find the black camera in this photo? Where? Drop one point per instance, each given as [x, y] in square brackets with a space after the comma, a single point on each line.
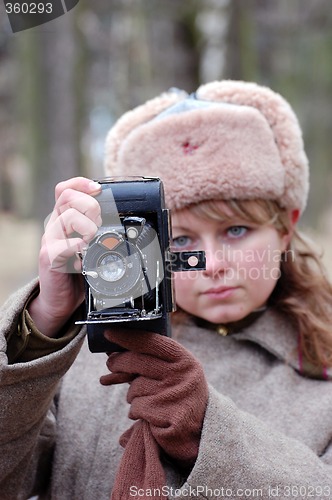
[128, 266]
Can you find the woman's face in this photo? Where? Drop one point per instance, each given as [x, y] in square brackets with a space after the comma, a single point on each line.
[242, 265]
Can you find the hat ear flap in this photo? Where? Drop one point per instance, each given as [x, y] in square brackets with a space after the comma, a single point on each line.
[275, 109]
[283, 123]
[133, 119]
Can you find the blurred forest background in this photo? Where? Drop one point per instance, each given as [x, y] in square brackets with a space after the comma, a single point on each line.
[63, 84]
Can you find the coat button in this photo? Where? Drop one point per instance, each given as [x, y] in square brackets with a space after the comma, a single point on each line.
[222, 330]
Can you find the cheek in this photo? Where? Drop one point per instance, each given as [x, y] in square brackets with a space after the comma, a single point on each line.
[184, 286]
[263, 271]
[182, 281]
[260, 265]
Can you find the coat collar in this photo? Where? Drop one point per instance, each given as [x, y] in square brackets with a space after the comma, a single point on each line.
[277, 335]
[273, 332]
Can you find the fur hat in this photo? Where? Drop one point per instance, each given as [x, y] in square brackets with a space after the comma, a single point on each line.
[231, 140]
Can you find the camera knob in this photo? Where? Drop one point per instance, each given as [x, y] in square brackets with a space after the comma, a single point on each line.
[132, 233]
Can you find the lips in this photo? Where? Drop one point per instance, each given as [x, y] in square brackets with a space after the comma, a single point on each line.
[220, 289]
[220, 293]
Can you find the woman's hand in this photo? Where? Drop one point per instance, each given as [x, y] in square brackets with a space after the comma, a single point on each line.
[167, 389]
[72, 224]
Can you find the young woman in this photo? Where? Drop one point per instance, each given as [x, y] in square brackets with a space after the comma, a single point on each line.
[238, 403]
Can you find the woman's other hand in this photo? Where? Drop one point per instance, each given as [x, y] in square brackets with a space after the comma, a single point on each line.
[72, 224]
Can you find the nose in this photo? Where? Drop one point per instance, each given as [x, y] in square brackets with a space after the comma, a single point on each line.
[216, 261]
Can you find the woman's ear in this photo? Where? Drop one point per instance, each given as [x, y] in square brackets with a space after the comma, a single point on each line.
[294, 216]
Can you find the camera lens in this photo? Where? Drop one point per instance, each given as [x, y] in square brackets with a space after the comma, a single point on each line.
[113, 273]
[111, 267]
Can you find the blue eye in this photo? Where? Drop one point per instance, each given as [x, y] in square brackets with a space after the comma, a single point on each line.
[237, 231]
[181, 241]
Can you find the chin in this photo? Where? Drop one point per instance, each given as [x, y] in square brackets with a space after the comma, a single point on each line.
[226, 316]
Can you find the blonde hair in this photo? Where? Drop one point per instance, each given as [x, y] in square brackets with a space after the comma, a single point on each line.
[303, 292]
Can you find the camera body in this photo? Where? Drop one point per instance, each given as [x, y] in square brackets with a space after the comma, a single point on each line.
[128, 265]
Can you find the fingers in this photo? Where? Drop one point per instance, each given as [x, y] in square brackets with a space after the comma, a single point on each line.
[69, 222]
[73, 222]
[55, 254]
[81, 184]
[158, 346]
[80, 202]
[137, 364]
[58, 244]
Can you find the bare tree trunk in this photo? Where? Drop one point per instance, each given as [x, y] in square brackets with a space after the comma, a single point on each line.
[153, 46]
[61, 154]
[213, 22]
[50, 108]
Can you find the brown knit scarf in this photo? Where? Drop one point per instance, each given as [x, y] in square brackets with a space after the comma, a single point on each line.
[168, 395]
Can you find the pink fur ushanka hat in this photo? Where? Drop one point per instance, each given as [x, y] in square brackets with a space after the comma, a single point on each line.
[231, 140]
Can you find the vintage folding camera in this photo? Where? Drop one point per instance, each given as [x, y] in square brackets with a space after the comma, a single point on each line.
[128, 266]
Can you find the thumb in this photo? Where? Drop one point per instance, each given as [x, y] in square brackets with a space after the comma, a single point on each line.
[116, 378]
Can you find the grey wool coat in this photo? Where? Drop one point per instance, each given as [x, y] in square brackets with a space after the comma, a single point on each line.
[267, 431]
